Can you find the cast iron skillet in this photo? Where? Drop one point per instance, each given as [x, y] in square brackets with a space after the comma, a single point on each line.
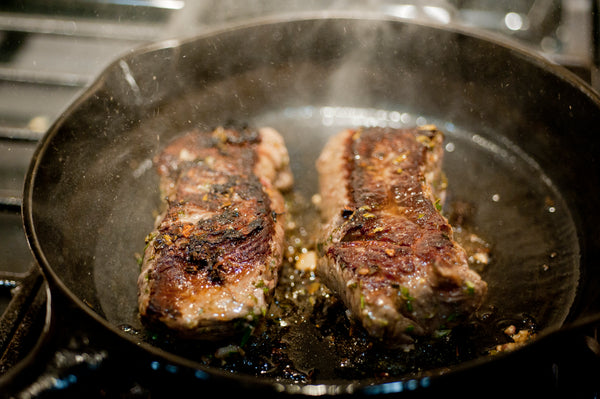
[523, 147]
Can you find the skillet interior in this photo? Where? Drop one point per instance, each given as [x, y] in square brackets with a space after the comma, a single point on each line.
[522, 134]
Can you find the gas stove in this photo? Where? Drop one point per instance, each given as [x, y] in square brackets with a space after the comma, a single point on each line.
[50, 53]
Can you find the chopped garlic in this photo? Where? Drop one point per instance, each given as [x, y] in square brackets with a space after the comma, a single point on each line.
[481, 257]
[307, 261]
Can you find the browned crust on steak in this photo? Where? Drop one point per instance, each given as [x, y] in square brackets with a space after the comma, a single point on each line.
[386, 249]
[214, 257]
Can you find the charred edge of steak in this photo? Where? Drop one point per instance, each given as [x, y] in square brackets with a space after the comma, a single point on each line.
[389, 253]
[225, 135]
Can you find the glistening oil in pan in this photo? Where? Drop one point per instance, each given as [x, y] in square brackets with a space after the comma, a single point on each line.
[506, 213]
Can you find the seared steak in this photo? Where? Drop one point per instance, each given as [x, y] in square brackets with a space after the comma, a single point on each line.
[386, 249]
[213, 260]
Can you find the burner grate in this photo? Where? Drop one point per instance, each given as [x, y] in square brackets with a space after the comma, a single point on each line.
[23, 319]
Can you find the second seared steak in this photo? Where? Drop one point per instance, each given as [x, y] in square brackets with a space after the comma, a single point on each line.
[386, 249]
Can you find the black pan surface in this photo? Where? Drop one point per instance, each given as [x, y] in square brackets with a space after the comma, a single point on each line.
[521, 151]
